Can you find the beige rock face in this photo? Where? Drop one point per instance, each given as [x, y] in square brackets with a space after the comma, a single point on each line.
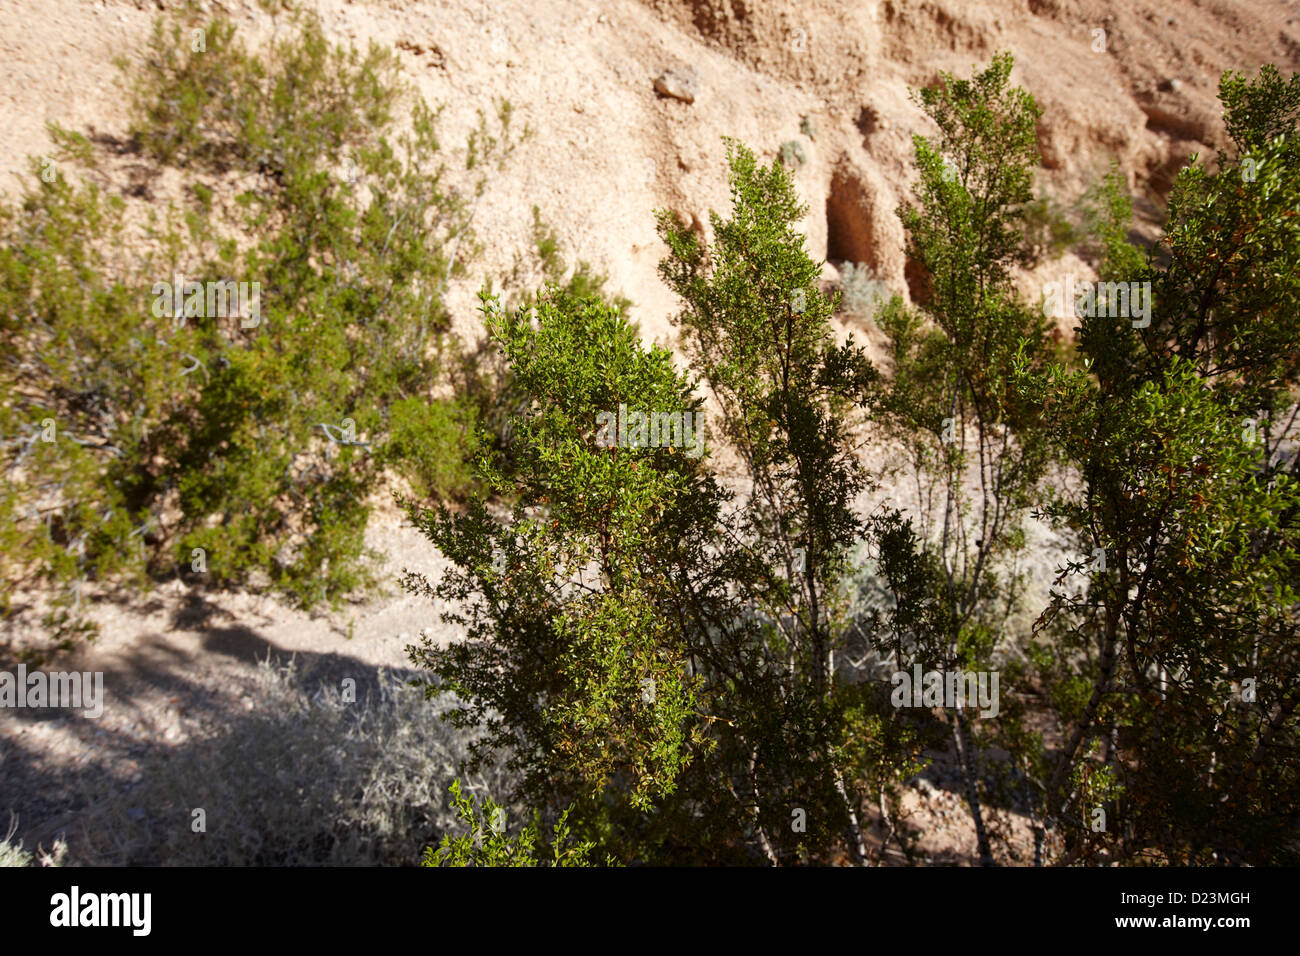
[1130, 79]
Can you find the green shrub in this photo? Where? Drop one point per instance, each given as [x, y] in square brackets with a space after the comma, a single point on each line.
[1048, 229]
[433, 445]
[483, 377]
[242, 447]
[488, 843]
[1173, 663]
[1161, 689]
[582, 283]
[647, 648]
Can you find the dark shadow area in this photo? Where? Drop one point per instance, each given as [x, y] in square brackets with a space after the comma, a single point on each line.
[50, 794]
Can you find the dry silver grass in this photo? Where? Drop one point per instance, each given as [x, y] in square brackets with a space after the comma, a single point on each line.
[300, 780]
[13, 854]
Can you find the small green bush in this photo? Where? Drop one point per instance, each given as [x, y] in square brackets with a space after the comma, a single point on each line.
[1047, 229]
[488, 844]
[433, 445]
[582, 283]
[792, 153]
[483, 377]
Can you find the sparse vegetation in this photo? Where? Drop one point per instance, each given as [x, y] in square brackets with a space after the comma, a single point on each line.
[488, 842]
[303, 778]
[792, 154]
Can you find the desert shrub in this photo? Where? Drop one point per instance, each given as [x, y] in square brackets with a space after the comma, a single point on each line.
[1048, 229]
[1173, 661]
[305, 778]
[862, 292]
[544, 265]
[659, 650]
[672, 655]
[433, 443]
[153, 430]
[482, 376]
[1106, 213]
[71, 364]
[971, 445]
[792, 154]
[488, 842]
[1095, 225]
[581, 281]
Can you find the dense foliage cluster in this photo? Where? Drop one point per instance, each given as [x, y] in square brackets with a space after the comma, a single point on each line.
[1147, 714]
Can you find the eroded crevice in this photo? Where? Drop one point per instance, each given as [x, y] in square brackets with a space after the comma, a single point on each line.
[850, 231]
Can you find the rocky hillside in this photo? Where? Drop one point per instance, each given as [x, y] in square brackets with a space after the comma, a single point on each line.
[629, 101]
[1133, 80]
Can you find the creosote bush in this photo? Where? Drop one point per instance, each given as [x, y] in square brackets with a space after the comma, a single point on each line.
[1173, 663]
[636, 641]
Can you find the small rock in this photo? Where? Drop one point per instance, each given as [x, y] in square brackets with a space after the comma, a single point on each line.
[679, 84]
[928, 790]
[602, 19]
